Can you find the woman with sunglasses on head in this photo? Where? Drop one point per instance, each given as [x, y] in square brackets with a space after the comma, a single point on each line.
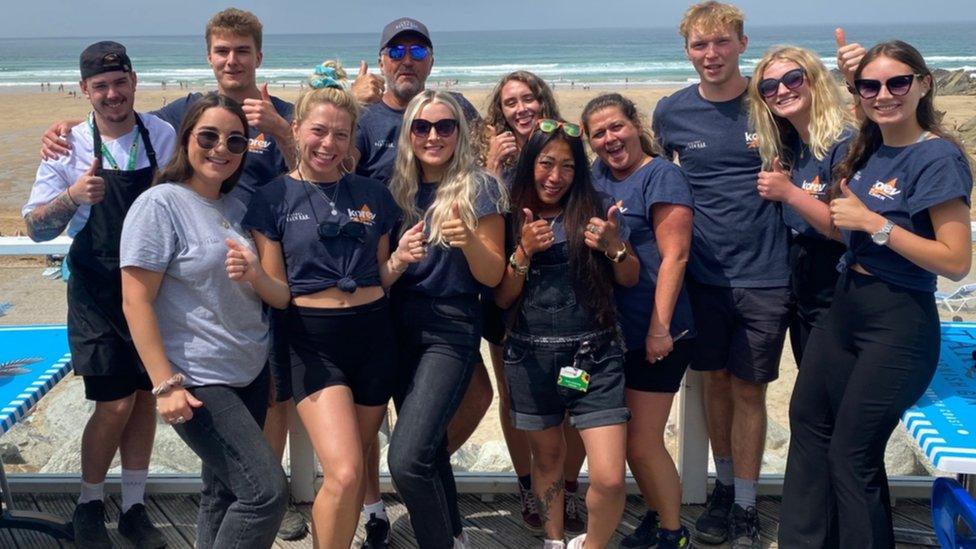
[563, 353]
[901, 206]
[201, 333]
[328, 231]
[515, 106]
[804, 132]
[655, 313]
[437, 315]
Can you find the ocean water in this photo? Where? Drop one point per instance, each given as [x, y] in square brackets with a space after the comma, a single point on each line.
[582, 56]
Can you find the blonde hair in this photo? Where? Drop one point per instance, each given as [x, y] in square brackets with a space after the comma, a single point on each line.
[462, 177]
[711, 16]
[335, 94]
[828, 118]
[236, 22]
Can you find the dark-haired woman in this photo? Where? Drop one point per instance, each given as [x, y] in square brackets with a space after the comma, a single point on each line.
[201, 333]
[656, 313]
[902, 209]
[567, 249]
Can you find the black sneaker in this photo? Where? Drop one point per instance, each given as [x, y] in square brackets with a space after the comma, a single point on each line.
[293, 525]
[744, 528]
[712, 525]
[88, 522]
[574, 523]
[645, 535]
[135, 525]
[674, 540]
[377, 533]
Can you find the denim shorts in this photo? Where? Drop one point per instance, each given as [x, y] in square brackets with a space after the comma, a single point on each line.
[532, 367]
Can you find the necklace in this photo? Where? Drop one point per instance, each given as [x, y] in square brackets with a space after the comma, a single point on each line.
[330, 199]
[553, 220]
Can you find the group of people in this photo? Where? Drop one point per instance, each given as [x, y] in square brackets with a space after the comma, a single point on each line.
[253, 255]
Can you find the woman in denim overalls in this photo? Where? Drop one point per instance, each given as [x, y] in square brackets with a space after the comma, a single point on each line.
[563, 353]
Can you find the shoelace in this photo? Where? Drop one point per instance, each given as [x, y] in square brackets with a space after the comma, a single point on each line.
[529, 505]
[572, 504]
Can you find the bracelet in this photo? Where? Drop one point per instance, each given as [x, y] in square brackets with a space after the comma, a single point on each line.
[520, 270]
[68, 192]
[168, 385]
[659, 335]
[619, 256]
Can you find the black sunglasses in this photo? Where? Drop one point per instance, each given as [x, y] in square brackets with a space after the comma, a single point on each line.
[444, 127]
[769, 87]
[208, 139]
[332, 229]
[897, 85]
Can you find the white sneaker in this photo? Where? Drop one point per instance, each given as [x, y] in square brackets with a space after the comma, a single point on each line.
[577, 542]
[553, 544]
[461, 542]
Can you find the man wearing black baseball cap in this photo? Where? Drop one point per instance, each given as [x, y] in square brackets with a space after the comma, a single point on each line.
[88, 192]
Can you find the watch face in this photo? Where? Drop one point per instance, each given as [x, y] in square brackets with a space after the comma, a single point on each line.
[880, 238]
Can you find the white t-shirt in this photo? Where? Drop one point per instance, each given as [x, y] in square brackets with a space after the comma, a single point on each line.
[54, 176]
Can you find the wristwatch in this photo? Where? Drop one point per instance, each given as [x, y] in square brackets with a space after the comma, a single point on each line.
[881, 237]
[619, 255]
[519, 269]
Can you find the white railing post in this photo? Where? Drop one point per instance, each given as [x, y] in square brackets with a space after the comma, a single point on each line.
[692, 439]
[302, 459]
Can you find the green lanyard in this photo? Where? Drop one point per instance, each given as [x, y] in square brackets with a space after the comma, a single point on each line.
[111, 159]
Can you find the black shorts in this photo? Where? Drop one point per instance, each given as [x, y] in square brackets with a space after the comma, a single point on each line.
[279, 359]
[537, 402]
[354, 347]
[112, 387]
[741, 330]
[493, 321]
[660, 377]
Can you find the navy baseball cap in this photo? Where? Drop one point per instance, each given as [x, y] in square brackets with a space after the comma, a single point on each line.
[102, 57]
[404, 25]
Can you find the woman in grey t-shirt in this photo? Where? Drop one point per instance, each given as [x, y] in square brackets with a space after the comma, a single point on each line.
[192, 295]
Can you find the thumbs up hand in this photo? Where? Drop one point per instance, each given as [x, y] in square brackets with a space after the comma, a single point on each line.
[604, 235]
[537, 234]
[455, 231]
[848, 55]
[88, 188]
[367, 88]
[500, 147]
[775, 185]
[412, 246]
[848, 212]
[242, 264]
[262, 116]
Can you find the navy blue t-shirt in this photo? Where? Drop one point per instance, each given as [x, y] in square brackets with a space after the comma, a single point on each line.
[902, 183]
[264, 160]
[288, 210]
[657, 182]
[815, 178]
[444, 271]
[376, 137]
[739, 239]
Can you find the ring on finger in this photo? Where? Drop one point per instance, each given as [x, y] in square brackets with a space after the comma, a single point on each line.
[656, 359]
[179, 420]
[592, 228]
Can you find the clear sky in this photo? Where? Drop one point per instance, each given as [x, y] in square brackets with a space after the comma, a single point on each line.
[52, 18]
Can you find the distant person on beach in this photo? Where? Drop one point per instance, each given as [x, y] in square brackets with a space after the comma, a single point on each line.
[116, 153]
[437, 314]
[518, 102]
[655, 313]
[192, 293]
[739, 274]
[406, 56]
[564, 355]
[901, 205]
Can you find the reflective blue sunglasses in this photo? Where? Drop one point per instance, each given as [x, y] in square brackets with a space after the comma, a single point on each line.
[417, 52]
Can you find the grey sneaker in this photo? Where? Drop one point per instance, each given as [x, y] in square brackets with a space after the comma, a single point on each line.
[744, 528]
[135, 525]
[292, 525]
[712, 525]
[88, 521]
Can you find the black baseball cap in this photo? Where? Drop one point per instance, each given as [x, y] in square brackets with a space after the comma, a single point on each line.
[404, 25]
[105, 56]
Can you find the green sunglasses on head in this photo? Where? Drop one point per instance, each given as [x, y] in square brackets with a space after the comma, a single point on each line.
[548, 125]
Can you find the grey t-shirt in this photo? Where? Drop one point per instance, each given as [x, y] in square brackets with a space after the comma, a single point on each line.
[214, 331]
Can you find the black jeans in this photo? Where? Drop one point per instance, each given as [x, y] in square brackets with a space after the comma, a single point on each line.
[872, 357]
[813, 277]
[438, 340]
[244, 488]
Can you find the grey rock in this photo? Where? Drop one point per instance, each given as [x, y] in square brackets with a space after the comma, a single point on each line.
[10, 454]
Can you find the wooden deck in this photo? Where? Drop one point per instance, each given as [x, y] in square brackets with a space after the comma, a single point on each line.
[490, 521]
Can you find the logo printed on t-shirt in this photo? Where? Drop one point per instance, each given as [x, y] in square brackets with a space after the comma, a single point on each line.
[296, 216]
[697, 144]
[814, 188]
[258, 144]
[886, 190]
[752, 140]
[363, 215]
[384, 144]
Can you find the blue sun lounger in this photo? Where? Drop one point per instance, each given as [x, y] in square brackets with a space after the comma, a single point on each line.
[32, 361]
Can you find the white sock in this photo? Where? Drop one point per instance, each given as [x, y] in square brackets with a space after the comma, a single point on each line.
[745, 492]
[553, 544]
[376, 508]
[133, 487]
[91, 492]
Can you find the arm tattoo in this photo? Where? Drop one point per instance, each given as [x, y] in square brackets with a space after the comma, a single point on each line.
[549, 497]
[49, 220]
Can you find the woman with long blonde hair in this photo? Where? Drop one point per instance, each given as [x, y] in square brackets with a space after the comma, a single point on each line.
[803, 130]
[437, 311]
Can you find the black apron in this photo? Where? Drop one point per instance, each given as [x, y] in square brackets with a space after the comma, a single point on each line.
[97, 332]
